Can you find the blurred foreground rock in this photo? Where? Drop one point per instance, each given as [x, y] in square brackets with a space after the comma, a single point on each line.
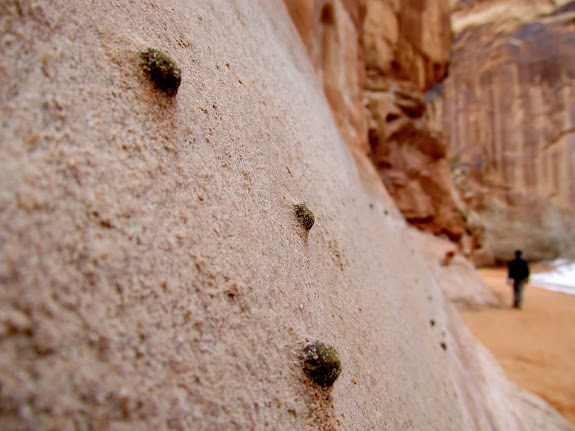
[455, 274]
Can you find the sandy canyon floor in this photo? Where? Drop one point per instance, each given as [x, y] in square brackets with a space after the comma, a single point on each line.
[535, 345]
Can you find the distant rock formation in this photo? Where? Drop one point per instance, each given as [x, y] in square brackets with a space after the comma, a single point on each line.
[508, 106]
[407, 46]
[407, 40]
[384, 54]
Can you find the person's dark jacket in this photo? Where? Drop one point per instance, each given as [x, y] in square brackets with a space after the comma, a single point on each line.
[518, 269]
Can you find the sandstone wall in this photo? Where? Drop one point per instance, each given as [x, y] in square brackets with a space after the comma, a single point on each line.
[407, 47]
[375, 59]
[331, 32]
[153, 273]
[509, 108]
[407, 40]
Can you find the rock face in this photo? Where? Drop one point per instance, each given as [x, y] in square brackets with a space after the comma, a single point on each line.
[455, 275]
[411, 158]
[381, 55]
[407, 40]
[331, 32]
[509, 108]
[407, 47]
[154, 273]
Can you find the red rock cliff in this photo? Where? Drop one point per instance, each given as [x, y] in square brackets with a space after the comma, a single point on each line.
[407, 47]
[509, 108]
[384, 55]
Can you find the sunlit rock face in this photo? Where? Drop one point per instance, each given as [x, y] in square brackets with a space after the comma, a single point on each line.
[509, 108]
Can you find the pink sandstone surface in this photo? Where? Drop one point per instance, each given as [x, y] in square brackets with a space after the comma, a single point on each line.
[455, 275]
[331, 32]
[154, 275]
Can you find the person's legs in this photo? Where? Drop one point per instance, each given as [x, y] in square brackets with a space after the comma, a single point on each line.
[519, 295]
[516, 293]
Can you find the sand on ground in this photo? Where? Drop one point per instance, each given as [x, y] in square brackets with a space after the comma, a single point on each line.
[535, 345]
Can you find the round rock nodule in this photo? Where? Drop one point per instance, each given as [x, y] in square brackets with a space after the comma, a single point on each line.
[304, 215]
[322, 363]
[162, 69]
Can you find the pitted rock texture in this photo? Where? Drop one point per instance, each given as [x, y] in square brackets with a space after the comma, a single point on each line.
[512, 127]
[153, 275]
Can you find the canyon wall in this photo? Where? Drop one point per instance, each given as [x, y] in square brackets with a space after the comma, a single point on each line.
[154, 275]
[376, 58]
[513, 190]
[508, 107]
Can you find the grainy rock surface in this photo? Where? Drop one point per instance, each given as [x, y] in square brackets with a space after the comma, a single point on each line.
[153, 273]
[512, 124]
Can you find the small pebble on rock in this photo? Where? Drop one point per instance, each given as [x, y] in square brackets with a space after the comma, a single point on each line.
[304, 215]
[162, 69]
[322, 363]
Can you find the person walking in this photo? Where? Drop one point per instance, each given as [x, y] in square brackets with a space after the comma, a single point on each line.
[519, 274]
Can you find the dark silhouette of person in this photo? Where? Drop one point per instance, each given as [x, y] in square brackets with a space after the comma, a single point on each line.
[519, 273]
